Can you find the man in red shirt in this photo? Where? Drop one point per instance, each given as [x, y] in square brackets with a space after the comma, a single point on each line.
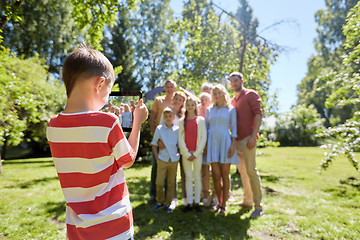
[248, 119]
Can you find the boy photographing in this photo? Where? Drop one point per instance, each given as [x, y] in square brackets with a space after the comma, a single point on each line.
[167, 159]
[90, 151]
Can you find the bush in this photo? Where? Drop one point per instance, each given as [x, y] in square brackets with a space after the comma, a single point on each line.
[27, 101]
[299, 127]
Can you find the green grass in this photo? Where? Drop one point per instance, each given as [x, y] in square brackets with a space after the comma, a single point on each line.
[299, 202]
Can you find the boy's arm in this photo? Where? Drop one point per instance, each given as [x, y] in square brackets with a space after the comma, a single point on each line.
[153, 115]
[155, 151]
[183, 150]
[140, 116]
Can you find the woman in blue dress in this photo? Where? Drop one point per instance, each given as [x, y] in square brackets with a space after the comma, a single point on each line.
[221, 125]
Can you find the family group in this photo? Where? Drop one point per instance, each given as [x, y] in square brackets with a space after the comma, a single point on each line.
[216, 132]
[90, 150]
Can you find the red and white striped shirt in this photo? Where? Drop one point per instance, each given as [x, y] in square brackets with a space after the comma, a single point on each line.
[89, 150]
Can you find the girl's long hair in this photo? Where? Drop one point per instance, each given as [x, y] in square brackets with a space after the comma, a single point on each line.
[183, 95]
[190, 99]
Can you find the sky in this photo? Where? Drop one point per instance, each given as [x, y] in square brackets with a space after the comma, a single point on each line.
[297, 36]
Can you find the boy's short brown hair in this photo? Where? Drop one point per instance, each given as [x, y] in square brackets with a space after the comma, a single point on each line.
[168, 110]
[85, 62]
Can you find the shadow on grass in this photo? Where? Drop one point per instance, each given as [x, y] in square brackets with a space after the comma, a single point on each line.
[31, 183]
[138, 188]
[178, 225]
[269, 178]
[8, 162]
[137, 165]
[351, 181]
[55, 208]
[349, 188]
[191, 225]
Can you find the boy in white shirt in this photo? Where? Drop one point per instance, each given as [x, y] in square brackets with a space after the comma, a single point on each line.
[167, 159]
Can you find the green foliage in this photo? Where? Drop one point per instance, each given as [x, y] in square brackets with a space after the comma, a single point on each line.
[329, 45]
[156, 51]
[9, 11]
[347, 137]
[27, 100]
[345, 93]
[93, 15]
[299, 127]
[352, 43]
[46, 29]
[330, 22]
[119, 49]
[90, 16]
[207, 47]
[217, 44]
[264, 141]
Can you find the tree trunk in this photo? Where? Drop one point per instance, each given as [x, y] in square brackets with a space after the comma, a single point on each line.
[3, 150]
[242, 53]
[3, 21]
[2, 156]
[1, 166]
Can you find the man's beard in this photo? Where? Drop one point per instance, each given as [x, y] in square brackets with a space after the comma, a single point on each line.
[238, 89]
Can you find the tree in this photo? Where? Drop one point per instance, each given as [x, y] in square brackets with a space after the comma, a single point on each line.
[119, 48]
[207, 45]
[94, 15]
[156, 53]
[214, 47]
[8, 11]
[90, 15]
[345, 137]
[329, 45]
[27, 100]
[352, 43]
[346, 92]
[46, 29]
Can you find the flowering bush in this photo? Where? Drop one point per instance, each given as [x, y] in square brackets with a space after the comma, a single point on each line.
[347, 141]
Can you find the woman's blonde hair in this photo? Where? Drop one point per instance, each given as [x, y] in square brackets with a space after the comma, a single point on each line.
[221, 88]
[126, 108]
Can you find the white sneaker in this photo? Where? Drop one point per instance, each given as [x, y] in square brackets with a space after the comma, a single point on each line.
[174, 203]
[185, 201]
[257, 213]
[215, 201]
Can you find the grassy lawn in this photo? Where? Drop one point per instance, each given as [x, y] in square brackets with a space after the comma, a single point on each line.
[299, 202]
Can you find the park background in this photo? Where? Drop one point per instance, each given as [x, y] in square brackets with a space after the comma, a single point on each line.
[199, 41]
